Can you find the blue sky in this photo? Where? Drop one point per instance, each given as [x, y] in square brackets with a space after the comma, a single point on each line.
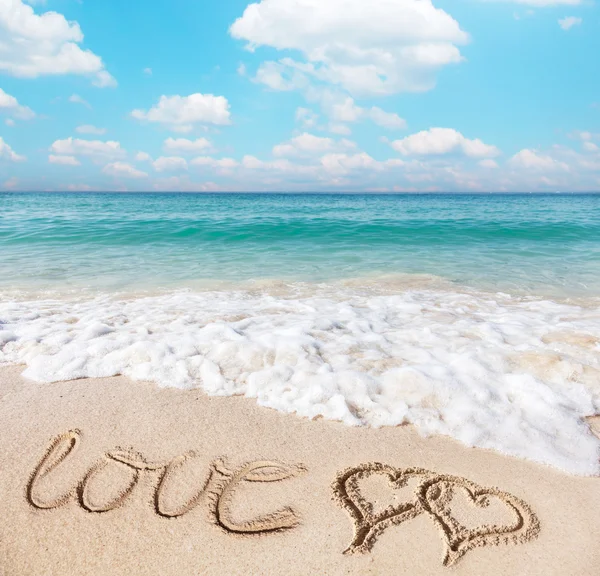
[291, 95]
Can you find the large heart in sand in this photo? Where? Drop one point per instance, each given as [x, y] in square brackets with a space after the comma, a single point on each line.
[436, 495]
[369, 522]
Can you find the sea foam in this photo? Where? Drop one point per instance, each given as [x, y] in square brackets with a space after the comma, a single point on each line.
[517, 375]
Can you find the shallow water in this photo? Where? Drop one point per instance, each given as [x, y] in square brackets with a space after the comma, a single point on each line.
[517, 243]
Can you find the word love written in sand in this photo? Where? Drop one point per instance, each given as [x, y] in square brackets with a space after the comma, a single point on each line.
[408, 493]
[220, 486]
[438, 497]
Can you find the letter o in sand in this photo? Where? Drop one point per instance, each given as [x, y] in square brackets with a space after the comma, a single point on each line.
[107, 485]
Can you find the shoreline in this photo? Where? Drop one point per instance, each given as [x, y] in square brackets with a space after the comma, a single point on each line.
[281, 514]
[513, 375]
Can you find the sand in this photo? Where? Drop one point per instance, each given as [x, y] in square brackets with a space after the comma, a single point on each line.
[117, 477]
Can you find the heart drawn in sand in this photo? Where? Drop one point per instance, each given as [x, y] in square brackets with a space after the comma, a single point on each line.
[369, 521]
[436, 496]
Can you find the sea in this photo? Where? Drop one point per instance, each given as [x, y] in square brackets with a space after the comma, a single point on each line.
[475, 316]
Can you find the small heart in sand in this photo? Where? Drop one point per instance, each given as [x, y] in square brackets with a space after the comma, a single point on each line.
[369, 519]
[438, 496]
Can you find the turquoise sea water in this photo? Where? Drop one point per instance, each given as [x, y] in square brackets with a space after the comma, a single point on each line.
[543, 243]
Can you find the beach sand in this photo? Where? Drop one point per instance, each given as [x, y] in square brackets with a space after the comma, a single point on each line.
[277, 501]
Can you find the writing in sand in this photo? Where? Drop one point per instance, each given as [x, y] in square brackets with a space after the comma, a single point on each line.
[413, 491]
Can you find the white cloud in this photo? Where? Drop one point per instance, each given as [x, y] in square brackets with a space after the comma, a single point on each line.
[309, 144]
[340, 129]
[439, 141]
[184, 146]
[342, 109]
[45, 44]
[184, 184]
[76, 99]
[488, 163]
[181, 113]
[10, 105]
[92, 148]
[570, 21]
[344, 163]
[63, 160]
[388, 120]
[369, 48]
[10, 122]
[283, 76]
[581, 135]
[590, 147]
[534, 160]
[122, 169]
[170, 164]
[7, 153]
[306, 117]
[89, 129]
[143, 157]
[282, 165]
[223, 163]
[148, 71]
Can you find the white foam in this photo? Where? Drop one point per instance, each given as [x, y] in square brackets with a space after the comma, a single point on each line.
[510, 374]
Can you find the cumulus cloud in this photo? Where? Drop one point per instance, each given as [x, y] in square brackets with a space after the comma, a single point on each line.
[344, 163]
[281, 165]
[10, 105]
[488, 163]
[581, 135]
[184, 146]
[222, 163]
[367, 48]
[340, 129]
[440, 141]
[309, 144]
[122, 169]
[342, 110]
[389, 120]
[45, 44]
[570, 21]
[170, 164]
[306, 117]
[91, 148]
[143, 157]
[7, 153]
[76, 99]
[184, 184]
[534, 160]
[182, 113]
[63, 160]
[89, 129]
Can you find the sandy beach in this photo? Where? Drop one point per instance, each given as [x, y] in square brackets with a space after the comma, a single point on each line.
[112, 476]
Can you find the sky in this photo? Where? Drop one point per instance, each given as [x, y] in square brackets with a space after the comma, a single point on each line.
[300, 95]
